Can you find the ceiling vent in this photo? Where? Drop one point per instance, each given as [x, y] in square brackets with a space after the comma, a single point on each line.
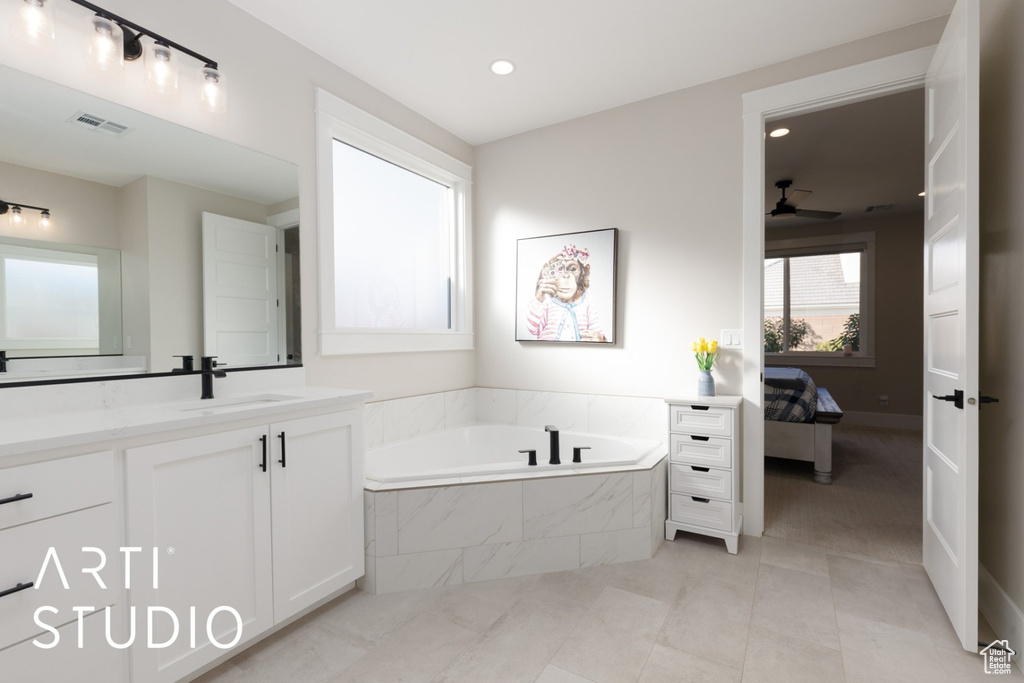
[99, 124]
[880, 207]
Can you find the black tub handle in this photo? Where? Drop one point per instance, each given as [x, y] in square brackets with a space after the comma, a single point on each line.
[16, 498]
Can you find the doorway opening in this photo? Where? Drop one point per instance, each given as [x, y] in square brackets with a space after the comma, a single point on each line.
[843, 230]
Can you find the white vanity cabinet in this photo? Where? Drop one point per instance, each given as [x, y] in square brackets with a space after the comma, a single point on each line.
[265, 520]
[49, 512]
[704, 468]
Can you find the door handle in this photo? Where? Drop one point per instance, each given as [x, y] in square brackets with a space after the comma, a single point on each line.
[986, 399]
[956, 398]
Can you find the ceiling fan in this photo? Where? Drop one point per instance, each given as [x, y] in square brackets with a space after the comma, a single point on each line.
[787, 206]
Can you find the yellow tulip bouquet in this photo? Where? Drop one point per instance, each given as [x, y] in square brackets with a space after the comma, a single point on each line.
[705, 352]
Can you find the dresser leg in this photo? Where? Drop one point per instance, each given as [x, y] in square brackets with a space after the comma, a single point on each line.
[732, 544]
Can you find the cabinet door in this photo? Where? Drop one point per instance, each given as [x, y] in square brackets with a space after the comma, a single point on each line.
[204, 504]
[317, 491]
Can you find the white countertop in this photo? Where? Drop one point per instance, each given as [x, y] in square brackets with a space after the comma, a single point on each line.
[43, 431]
[720, 400]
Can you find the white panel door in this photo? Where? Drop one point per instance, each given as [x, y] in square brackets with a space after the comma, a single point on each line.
[204, 504]
[950, 507]
[240, 303]
[317, 492]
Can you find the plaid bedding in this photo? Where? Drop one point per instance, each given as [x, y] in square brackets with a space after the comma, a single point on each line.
[789, 395]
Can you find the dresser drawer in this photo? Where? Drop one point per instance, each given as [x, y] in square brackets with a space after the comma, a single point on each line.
[707, 451]
[704, 482]
[700, 419]
[95, 661]
[24, 549]
[700, 511]
[56, 487]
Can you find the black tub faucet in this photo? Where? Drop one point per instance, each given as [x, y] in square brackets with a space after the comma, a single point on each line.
[208, 365]
[554, 444]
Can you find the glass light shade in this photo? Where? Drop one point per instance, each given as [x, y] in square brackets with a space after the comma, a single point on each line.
[212, 90]
[105, 45]
[161, 69]
[45, 224]
[34, 23]
[16, 218]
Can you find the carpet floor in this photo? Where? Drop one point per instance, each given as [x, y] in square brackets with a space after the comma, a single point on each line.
[873, 506]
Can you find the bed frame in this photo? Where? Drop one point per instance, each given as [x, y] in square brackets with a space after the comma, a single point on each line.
[807, 441]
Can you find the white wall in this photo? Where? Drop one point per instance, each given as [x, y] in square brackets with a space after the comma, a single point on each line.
[665, 171]
[84, 212]
[1001, 532]
[271, 84]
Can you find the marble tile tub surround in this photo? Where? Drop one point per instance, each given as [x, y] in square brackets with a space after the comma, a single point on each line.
[405, 418]
[447, 535]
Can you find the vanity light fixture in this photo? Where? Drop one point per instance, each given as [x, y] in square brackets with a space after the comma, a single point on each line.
[35, 22]
[17, 217]
[502, 67]
[115, 40]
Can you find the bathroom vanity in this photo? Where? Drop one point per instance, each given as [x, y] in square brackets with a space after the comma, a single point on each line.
[246, 508]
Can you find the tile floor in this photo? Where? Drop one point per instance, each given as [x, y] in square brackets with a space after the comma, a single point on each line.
[777, 611]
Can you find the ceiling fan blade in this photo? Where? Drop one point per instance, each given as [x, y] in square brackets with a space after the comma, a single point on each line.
[825, 215]
[797, 196]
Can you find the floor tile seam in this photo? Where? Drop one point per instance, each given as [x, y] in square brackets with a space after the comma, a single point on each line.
[827, 575]
[839, 635]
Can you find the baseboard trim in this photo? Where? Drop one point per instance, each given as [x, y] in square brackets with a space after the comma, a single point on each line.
[1002, 613]
[886, 420]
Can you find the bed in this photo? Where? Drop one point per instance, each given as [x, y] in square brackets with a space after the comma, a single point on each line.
[798, 420]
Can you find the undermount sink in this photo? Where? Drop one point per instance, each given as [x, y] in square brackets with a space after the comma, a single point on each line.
[229, 403]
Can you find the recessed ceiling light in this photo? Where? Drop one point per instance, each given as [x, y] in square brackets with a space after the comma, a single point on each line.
[779, 132]
[502, 67]
[920, 194]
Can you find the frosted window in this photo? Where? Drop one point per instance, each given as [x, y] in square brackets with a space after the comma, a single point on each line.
[51, 300]
[393, 245]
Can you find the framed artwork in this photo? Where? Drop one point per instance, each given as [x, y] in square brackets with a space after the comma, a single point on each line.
[565, 287]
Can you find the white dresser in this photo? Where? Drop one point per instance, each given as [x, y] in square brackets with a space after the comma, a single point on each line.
[704, 468]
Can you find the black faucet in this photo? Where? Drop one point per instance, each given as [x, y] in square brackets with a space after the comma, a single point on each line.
[554, 445]
[187, 364]
[208, 365]
[3, 361]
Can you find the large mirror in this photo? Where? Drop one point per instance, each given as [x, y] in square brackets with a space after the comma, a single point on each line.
[159, 241]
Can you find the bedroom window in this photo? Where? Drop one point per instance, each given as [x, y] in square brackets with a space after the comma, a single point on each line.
[817, 301]
[394, 231]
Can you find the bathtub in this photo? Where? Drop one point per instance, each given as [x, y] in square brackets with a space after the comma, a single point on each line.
[462, 505]
[491, 450]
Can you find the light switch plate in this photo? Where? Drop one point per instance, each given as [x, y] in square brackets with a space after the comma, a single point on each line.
[731, 339]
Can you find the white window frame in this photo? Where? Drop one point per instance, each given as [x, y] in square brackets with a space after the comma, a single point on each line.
[339, 120]
[805, 246]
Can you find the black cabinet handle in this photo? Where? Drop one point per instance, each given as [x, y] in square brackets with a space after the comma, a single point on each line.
[282, 460]
[263, 463]
[700, 500]
[700, 438]
[15, 499]
[17, 589]
[700, 469]
[693, 407]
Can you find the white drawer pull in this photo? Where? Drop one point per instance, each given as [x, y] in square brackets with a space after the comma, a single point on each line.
[15, 499]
